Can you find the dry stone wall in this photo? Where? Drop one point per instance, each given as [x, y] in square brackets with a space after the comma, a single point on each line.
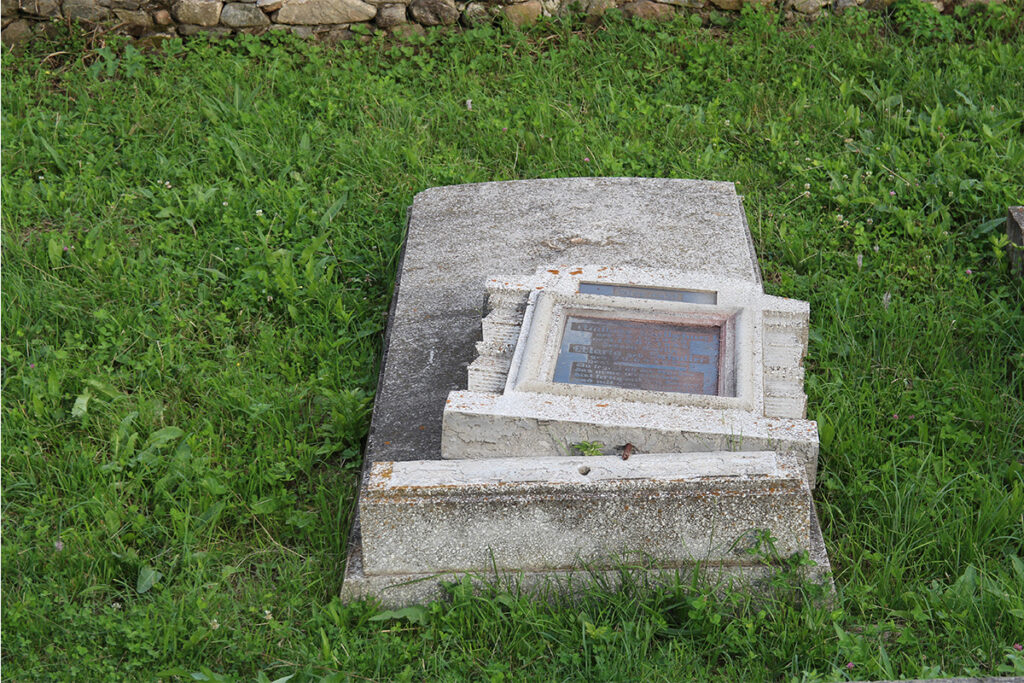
[331, 20]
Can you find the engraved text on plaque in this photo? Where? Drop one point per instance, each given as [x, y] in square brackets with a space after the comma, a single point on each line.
[634, 354]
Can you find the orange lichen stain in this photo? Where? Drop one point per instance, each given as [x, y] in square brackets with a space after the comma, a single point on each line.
[387, 443]
[385, 470]
[422, 427]
[601, 405]
[553, 272]
[538, 287]
[578, 271]
[603, 268]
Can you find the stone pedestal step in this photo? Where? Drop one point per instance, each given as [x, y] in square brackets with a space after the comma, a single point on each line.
[541, 514]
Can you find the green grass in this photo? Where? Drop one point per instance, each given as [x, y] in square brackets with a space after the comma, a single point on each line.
[198, 251]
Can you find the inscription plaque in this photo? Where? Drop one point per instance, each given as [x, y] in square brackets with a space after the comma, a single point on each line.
[637, 354]
[692, 296]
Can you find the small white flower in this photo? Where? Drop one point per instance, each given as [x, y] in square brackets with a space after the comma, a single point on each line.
[469, 105]
[886, 299]
[116, 605]
[41, 177]
[224, 203]
[871, 222]
[807, 186]
[267, 615]
[168, 184]
[860, 261]
[214, 624]
[259, 212]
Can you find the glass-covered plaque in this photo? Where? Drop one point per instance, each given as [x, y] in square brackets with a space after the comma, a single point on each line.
[638, 354]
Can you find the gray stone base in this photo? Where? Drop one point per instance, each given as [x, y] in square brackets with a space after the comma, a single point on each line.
[401, 590]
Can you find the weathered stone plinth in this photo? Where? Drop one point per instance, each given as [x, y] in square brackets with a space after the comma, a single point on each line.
[394, 590]
[540, 514]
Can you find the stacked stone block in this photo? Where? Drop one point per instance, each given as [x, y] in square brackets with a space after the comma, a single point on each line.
[331, 20]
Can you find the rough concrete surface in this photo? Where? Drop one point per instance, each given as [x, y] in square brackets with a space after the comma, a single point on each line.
[400, 590]
[461, 236]
[478, 425]
[555, 513]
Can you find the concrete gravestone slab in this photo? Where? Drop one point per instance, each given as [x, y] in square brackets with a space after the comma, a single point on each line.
[624, 315]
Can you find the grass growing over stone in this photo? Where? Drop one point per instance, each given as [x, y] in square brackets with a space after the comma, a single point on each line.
[198, 248]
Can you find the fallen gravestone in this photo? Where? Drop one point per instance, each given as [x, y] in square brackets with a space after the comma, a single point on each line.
[578, 373]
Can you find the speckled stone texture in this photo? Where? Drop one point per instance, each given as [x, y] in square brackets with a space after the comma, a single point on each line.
[557, 513]
[399, 590]
[461, 236]
[489, 426]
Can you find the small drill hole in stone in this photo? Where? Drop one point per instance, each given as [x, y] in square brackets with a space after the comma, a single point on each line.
[584, 470]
